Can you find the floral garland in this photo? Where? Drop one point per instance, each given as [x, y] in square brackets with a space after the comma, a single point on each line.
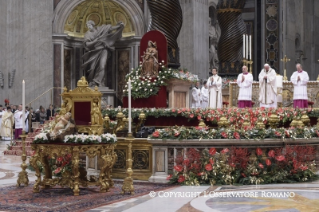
[239, 166]
[183, 133]
[227, 80]
[79, 139]
[144, 87]
[235, 116]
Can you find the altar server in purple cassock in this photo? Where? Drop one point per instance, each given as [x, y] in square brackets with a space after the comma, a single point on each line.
[244, 82]
[205, 96]
[268, 87]
[214, 85]
[300, 79]
[196, 96]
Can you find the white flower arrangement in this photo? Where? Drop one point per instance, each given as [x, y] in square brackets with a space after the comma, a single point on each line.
[41, 138]
[90, 139]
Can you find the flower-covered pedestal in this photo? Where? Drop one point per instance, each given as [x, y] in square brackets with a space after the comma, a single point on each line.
[65, 169]
[72, 176]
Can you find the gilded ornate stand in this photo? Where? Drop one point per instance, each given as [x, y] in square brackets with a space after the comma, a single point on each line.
[77, 176]
[23, 175]
[128, 181]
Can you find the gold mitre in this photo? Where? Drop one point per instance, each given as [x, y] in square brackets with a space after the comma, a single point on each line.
[82, 82]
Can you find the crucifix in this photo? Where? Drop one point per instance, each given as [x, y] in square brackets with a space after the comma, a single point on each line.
[285, 60]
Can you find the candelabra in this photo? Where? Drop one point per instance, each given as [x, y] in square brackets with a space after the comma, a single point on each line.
[23, 175]
[128, 181]
[250, 65]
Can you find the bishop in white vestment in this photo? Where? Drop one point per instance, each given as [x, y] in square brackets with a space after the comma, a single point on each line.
[196, 96]
[244, 82]
[205, 97]
[6, 124]
[214, 85]
[268, 87]
[300, 79]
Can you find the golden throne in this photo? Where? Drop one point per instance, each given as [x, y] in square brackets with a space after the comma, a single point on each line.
[85, 105]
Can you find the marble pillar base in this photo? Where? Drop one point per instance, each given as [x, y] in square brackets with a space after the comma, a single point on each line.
[108, 97]
[158, 178]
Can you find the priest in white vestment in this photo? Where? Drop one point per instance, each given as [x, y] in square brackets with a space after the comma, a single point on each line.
[205, 97]
[268, 87]
[196, 96]
[18, 120]
[6, 124]
[244, 82]
[300, 79]
[214, 85]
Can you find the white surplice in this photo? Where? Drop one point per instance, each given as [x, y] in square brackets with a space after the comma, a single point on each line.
[18, 119]
[268, 89]
[205, 97]
[245, 87]
[300, 88]
[1, 114]
[196, 97]
[215, 92]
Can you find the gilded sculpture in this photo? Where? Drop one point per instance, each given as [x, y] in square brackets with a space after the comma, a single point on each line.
[95, 114]
[150, 60]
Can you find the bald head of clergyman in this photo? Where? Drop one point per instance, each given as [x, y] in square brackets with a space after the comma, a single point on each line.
[299, 67]
[244, 69]
[266, 67]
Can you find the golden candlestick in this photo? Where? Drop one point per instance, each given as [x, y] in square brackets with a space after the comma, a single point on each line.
[250, 65]
[285, 60]
[23, 175]
[128, 181]
[244, 61]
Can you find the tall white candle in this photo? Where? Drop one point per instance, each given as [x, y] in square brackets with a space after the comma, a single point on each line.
[129, 107]
[244, 46]
[23, 105]
[247, 47]
[250, 47]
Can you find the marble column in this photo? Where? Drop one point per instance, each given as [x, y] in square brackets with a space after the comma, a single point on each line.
[193, 39]
[57, 69]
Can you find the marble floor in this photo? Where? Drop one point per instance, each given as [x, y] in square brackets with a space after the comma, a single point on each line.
[274, 197]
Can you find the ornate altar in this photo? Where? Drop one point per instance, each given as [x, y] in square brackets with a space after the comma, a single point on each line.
[76, 176]
[287, 93]
[85, 105]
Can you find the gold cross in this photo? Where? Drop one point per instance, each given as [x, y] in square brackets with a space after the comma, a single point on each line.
[285, 60]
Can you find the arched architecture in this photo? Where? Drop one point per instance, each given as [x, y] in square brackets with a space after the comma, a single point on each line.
[69, 27]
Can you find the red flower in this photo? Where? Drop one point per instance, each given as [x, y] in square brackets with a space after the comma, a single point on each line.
[169, 177]
[156, 134]
[58, 170]
[184, 109]
[191, 116]
[179, 111]
[178, 168]
[224, 151]
[181, 179]
[303, 168]
[280, 158]
[259, 151]
[223, 134]
[271, 153]
[268, 162]
[59, 159]
[211, 161]
[261, 165]
[243, 174]
[186, 161]
[177, 134]
[199, 117]
[212, 151]
[173, 110]
[232, 165]
[208, 167]
[236, 135]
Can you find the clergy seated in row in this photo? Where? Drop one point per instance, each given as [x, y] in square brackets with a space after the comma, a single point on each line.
[300, 79]
[244, 82]
[214, 85]
[268, 87]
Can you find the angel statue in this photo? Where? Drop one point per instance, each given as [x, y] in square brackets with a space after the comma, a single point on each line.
[150, 60]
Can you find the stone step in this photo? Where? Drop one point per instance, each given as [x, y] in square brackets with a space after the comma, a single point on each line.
[27, 143]
[16, 152]
[27, 148]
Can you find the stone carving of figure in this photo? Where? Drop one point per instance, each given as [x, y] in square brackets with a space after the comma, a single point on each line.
[99, 41]
[95, 114]
[61, 125]
[150, 60]
[214, 35]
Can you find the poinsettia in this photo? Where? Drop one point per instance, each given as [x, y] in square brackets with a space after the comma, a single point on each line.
[178, 168]
[268, 162]
[212, 151]
[280, 158]
[208, 167]
[259, 151]
[181, 179]
[271, 153]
